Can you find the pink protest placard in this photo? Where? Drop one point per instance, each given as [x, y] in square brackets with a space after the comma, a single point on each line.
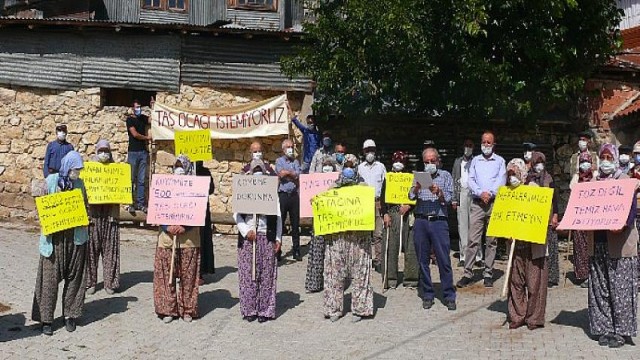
[310, 186]
[178, 200]
[599, 205]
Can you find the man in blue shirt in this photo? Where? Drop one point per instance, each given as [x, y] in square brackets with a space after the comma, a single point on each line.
[311, 140]
[56, 150]
[288, 170]
[487, 173]
[431, 230]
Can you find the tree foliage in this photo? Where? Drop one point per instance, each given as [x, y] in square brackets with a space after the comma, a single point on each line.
[487, 58]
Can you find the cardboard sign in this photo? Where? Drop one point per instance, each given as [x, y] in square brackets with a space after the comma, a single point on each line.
[397, 188]
[599, 205]
[521, 213]
[423, 178]
[194, 144]
[343, 209]
[255, 194]
[178, 200]
[310, 186]
[107, 183]
[62, 211]
[258, 119]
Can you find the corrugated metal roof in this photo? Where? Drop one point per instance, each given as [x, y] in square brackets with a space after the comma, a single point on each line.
[245, 19]
[224, 62]
[205, 12]
[123, 10]
[163, 17]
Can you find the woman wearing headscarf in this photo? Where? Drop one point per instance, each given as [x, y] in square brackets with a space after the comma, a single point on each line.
[314, 281]
[207, 260]
[169, 303]
[62, 257]
[527, 301]
[539, 176]
[348, 255]
[613, 282]
[258, 297]
[580, 253]
[393, 215]
[104, 236]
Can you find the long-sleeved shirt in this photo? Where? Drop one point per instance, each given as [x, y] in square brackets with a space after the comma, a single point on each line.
[487, 175]
[288, 184]
[247, 223]
[460, 173]
[311, 139]
[373, 175]
[430, 204]
[56, 150]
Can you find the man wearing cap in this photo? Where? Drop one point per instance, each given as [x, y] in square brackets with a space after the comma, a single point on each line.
[462, 197]
[584, 140]
[528, 149]
[373, 173]
[321, 153]
[56, 150]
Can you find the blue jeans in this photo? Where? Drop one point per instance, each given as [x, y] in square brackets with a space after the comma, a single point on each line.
[434, 234]
[138, 162]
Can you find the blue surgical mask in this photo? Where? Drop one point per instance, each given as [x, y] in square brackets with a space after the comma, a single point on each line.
[326, 142]
[637, 157]
[137, 111]
[585, 166]
[607, 167]
[349, 173]
[340, 157]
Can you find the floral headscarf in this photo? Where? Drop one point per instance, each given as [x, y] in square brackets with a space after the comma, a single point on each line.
[612, 149]
[585, 176]
[186, 164]
[519, 168]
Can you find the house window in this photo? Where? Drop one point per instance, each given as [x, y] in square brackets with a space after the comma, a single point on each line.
[264, 5]
[125, 97]
[174, 5]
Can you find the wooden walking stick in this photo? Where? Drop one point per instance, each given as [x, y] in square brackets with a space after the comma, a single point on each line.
[400, 243]
[386, 262]
[255, 244]
[173, 259]
[507, 276]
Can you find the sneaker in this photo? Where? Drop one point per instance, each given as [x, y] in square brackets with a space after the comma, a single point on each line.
[187, 318]
[70, 324]
[585, 284]
[604, 340]
[90, 290]
[427, 304]
[296, 255]
[356, 318]
[616, 341]
[464, 282]
[167, 319]
[47, 329]
[488, 282]
[451, 305]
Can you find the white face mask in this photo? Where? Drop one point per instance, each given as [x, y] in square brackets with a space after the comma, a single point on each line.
[585, 166]
[468, 151]
[430, 168]
[527, 155]
[397, 166]
[607, 167]
[582, 145]
[61, 135]
[288, 152]
[327, 169]
[514, 181]
[178, 171]
[74, 174]
[104, 156]
[370, 157]
[624, 159]
[257, 155]
[257, 173]
[486, 149]
[539, 167]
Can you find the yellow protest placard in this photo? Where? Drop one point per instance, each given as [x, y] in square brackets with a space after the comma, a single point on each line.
[521, 213]
[61, 211]
[343, 209]
[195, 144]
[107, 183]
[397, 188]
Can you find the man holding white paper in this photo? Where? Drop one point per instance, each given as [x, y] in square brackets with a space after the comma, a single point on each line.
[486, 174]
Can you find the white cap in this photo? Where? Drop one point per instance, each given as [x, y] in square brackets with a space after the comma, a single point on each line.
[636, 147]
[368, 143]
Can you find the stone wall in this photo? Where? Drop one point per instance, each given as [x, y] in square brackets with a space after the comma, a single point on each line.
[29, 117]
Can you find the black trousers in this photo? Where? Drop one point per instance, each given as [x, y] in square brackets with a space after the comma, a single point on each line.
[290, 205]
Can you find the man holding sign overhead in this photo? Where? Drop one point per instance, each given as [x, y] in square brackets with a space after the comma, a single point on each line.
[431, 229]
[62, 252]
[487, 173]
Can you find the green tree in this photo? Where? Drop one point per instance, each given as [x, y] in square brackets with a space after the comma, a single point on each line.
[487, 58]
